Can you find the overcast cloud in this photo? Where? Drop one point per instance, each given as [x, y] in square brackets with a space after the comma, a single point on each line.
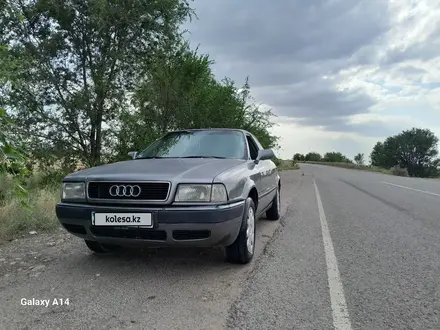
[340, 74]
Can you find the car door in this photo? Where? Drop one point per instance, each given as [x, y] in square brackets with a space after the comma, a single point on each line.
[256, 169]
[269, 176]
[262, 172]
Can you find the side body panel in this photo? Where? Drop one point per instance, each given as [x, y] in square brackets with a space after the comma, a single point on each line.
[240, 179]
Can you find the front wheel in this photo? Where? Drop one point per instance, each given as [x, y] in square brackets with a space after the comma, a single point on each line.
[243, 248]
[274, 213]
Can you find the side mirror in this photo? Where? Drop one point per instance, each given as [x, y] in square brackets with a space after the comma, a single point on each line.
[133, 154]
[264, 155]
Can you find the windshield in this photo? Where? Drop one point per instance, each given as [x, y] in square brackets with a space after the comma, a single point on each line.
[217, 144]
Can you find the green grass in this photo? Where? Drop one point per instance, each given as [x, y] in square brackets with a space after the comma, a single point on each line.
[366, 168]
[355, 167]
[16, 220]
[286, 165]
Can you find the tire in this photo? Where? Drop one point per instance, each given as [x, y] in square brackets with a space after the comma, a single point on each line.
[274, 213]
[101, 248]
[243, 248]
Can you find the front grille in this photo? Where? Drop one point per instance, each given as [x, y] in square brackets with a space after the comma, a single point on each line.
[133, 233]
[150, 191]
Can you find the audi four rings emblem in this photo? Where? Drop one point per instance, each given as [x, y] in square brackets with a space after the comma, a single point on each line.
[124, 191]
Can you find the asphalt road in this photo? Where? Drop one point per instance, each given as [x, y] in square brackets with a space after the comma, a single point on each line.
[386, 246]
[353, 250]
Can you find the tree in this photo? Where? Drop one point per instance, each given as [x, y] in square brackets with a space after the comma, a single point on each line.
[313, 157]
[377, 156]
[180, 91]
[298, 157]
[335, 157]
[415, 150]
[79, 62]
[359, 159]
[175, 93]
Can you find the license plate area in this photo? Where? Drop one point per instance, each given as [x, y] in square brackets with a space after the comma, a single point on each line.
[125, 219]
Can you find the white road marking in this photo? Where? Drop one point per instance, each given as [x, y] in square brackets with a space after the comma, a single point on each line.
[341, 319]
[418, 190]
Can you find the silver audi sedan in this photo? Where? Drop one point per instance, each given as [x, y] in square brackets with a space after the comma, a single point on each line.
[190, 188]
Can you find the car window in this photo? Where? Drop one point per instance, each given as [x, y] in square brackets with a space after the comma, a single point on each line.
[258, 144]
[223, 144]
[253, 148]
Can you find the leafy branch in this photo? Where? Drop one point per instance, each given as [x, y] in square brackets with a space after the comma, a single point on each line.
[12, 160]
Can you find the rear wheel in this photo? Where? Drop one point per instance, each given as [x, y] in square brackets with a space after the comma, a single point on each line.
[101, 248]
[274, 212]
[243, 248]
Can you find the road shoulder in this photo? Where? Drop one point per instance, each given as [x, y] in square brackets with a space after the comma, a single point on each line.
[289, 287]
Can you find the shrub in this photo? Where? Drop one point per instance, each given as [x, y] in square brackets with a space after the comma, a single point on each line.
[6, 186]
[286, 165]
[33, 211]
[399, 171]
[277, 161]
[15, 219]
[51, 178]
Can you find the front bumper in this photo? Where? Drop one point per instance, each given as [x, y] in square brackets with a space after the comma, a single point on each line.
[195, 226]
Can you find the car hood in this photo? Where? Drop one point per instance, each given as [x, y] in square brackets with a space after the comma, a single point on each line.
[174, 169]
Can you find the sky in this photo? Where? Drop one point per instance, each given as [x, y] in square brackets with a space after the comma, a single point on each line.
[339, 75]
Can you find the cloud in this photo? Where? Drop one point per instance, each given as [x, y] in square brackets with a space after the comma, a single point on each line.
[321, 63]
[315, 101]
[303, 139]
[287, 30]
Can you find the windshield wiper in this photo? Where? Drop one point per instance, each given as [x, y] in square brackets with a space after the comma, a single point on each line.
[218, 157]
[151, 157]
[160, 157]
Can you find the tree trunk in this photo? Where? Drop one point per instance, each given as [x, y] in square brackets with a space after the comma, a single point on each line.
[98, 141]
[91, 157]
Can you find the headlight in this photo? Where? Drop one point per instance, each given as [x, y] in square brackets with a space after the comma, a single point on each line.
[201, 193]
[218, 193]
[73, 190]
